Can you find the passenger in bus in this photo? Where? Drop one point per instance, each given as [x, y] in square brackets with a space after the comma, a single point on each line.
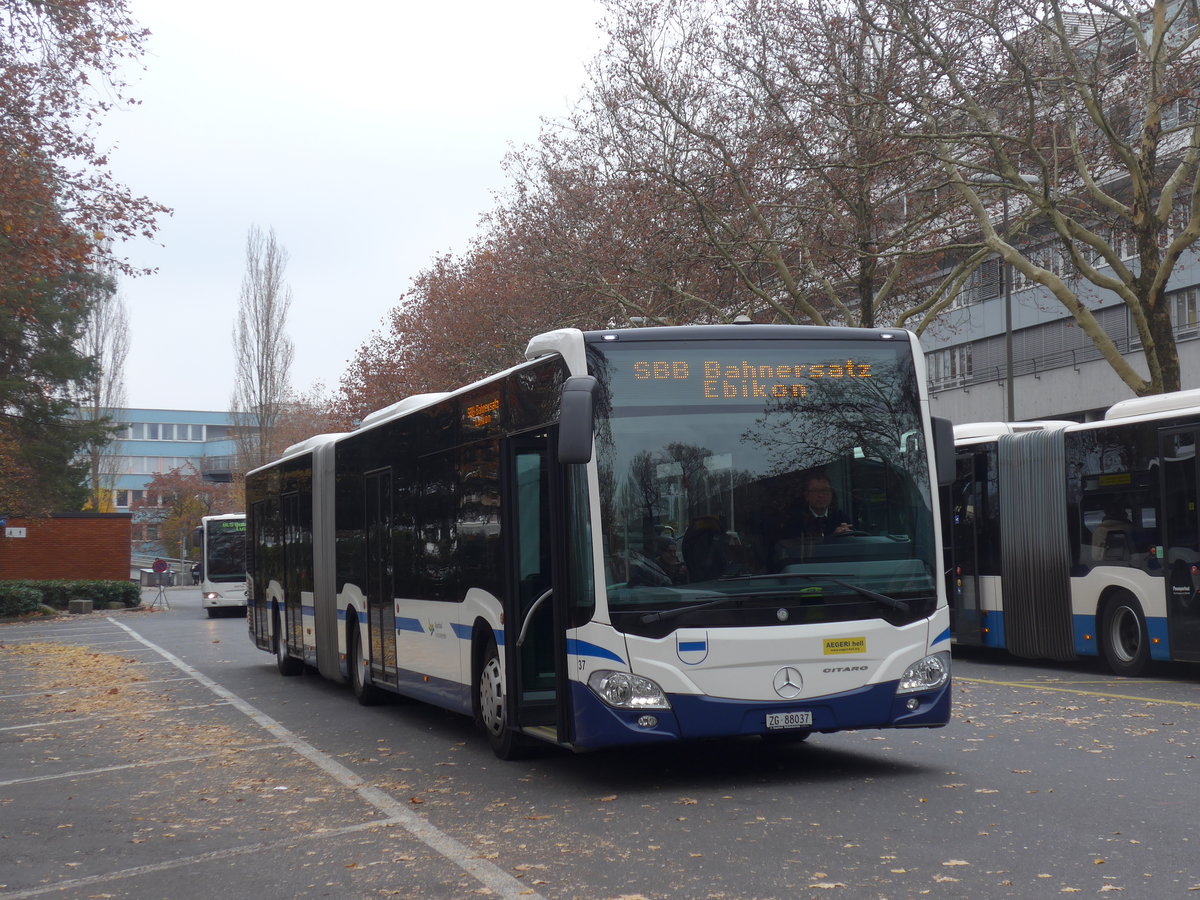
[706, 548]
[668, 560]
[1113, 537]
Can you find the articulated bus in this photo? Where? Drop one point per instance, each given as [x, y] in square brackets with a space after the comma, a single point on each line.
[1080, 539]
[502, 550]
[222, 540]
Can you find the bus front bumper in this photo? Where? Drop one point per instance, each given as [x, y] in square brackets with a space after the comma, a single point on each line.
[694, 717]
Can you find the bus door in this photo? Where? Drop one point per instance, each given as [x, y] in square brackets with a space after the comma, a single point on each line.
[262, 544]
[535, 596]
[967, 495]
[381, 606]
[293, 561]
[1181, 539]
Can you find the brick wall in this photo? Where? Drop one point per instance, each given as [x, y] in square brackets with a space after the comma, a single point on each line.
[84, 546]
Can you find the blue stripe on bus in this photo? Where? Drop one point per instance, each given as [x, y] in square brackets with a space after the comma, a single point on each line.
[583, 648]
[693, 646]
[944, 636]
[466, 632]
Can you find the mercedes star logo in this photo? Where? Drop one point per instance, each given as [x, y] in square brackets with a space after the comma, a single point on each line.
[788, 683]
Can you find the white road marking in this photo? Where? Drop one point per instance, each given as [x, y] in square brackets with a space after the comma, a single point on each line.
[166, 865]
[80, 773]
[493, 877]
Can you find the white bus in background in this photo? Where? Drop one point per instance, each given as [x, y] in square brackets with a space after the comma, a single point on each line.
[492, 550]
[1071, 540]
[222, 542]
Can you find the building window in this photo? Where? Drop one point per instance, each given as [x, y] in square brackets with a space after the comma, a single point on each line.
[1183, 310]
[951, 366]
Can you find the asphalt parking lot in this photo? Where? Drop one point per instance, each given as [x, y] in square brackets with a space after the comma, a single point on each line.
[126, 773]
[156, 753]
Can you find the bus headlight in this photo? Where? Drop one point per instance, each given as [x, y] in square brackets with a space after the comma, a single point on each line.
[927, 674]
[625, 691]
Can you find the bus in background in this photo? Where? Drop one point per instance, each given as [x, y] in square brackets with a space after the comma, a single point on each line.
[222, 542]
[609, 544]
[1080, 539]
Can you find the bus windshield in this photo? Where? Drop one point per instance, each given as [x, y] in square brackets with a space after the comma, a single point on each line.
[226, 550]
[761, 482]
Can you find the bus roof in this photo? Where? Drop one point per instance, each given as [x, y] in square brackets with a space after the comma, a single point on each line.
[985, 431]
[1159, 403]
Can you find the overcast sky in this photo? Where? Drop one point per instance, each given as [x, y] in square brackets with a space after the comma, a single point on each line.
[369, 136]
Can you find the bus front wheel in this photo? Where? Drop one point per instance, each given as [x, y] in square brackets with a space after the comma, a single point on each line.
[489, 689]
[1124, 640]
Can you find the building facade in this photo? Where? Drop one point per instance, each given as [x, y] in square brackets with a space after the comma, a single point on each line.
[1057, 371]
[154, 441]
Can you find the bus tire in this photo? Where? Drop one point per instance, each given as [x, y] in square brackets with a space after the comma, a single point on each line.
[1124, 640]
[364, 692]
[287, 665]
[489, 694]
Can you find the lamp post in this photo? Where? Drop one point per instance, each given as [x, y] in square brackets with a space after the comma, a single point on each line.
[1010, 414]
[1010, 402]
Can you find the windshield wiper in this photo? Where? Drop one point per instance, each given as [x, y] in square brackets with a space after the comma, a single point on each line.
[881, 599]
[666, 614]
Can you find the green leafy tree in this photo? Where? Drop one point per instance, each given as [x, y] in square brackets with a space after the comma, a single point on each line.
[40, 467]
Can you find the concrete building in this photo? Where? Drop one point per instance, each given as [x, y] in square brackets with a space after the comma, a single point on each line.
[1057, 372]
[153, 441]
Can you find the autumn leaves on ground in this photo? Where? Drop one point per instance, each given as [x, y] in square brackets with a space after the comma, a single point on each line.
[94, 710]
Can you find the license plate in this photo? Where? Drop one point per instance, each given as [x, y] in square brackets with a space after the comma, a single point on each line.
[777, 721]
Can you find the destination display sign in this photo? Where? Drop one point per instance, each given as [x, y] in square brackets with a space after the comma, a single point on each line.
[749, 379]
[644, 374]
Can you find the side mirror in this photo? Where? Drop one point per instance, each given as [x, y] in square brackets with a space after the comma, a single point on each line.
[198, 536]
[943, 450]
[575, 419]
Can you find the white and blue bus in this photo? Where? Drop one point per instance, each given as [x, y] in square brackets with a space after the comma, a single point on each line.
[222, 542]
[597, 547]
[1072, 540]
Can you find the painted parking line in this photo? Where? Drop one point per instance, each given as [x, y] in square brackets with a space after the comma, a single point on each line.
[213, 704]
[59, 692]
[141, 764]
[491, 876]
[198, 859]
[1050, 688]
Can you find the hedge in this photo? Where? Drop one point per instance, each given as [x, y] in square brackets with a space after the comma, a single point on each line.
[18, 598]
